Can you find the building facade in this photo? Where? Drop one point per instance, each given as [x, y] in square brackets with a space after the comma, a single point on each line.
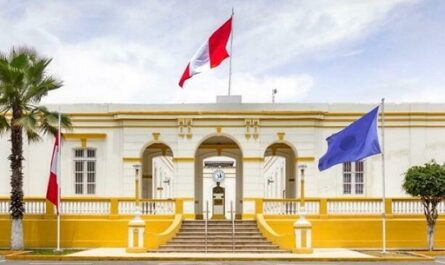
[265, 142]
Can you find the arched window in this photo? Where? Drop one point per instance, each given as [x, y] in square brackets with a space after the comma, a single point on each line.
[84, 171]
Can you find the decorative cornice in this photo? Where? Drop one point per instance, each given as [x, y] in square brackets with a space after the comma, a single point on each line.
[253, 159]
[305, 159]
[132, 159]
[183, 159]
[78, 136]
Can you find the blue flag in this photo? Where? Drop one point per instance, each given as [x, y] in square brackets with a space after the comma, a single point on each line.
[353, 143]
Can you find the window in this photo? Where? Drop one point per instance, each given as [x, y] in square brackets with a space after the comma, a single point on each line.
[353, 178]
[85, 171]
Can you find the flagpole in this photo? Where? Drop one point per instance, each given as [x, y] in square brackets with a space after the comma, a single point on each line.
[231, 55]
[59, 160]
[383, 177]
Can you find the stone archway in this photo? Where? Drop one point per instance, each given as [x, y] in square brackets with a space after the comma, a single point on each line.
[280, 170]
[218, 146]
[157, 172]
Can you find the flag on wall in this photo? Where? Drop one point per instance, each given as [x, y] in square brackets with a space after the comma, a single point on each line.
[353, 143]
[52, 193]
[210, 54]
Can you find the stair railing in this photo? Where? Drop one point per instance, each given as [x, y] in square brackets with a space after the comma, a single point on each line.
[232, 216]
[205, 222]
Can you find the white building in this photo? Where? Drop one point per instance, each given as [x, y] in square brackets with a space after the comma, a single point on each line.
[265, 142]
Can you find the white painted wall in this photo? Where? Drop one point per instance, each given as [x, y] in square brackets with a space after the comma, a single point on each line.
[407, 144]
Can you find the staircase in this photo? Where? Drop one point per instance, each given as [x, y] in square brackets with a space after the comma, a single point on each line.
[247, 239]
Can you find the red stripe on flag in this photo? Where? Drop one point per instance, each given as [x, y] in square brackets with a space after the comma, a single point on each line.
[186, 75]
[218, 42]
[52, 193]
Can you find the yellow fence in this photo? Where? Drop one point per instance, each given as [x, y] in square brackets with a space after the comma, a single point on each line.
[92, 222]
[337, 222]
[349, 222]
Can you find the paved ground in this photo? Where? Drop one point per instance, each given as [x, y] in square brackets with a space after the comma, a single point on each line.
[318, 253]
[440, 260]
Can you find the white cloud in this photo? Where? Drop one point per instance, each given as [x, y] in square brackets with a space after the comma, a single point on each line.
[136, 51]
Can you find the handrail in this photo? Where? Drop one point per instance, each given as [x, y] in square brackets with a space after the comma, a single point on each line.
[205, 221]
[233, 226]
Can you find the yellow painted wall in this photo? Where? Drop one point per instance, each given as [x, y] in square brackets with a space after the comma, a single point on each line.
[365, 232]
[78, 232]
[360, 232]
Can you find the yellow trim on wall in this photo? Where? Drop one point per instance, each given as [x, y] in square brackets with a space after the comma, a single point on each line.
[183, 159]
[278, 112]
[132, 159]
[253, 159]
[78, 136]
[305, 159]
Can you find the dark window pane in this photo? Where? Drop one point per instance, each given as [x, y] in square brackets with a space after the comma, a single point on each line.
[91, 188]
[347, 178]
[347, 188]
[91, 153]
[359, 188]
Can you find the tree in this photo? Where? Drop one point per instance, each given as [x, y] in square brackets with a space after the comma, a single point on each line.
[428, 183]
[23, 83]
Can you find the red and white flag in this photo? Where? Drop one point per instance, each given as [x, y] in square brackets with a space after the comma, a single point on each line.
[52, 194]
[210, 54]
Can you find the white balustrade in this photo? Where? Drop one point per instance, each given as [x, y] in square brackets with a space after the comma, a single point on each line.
[413, 207]
[354, 207]
[288, 207]
[85, 207]
[4, 207]
[148, 207]
[31, 207]
[35, 207]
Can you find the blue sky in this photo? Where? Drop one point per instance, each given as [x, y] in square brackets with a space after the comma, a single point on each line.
[311, 51]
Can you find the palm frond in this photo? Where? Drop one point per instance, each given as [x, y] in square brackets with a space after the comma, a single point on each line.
[19, 61]
[35, 93]
[28, 121]
[49, 120]
[33, 136]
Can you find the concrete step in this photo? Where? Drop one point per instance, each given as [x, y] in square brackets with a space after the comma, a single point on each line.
[218, 226]
[218, 250]
[221, 241]
[192, 238]
[213, 233]
[218, 245]
[216, 238]
[202, 230]
[219, 222]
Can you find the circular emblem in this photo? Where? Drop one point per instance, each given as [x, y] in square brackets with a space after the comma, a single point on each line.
[219, 175]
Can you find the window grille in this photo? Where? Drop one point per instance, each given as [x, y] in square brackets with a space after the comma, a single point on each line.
[353, 177]
[85, 171]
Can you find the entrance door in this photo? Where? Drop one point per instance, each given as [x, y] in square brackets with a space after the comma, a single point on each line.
[219, 186]
[218, 153]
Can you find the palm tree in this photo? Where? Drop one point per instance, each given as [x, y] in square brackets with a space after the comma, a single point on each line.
[23, 83]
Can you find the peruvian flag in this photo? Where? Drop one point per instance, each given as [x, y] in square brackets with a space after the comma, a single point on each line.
[210, 54]
[52, 194]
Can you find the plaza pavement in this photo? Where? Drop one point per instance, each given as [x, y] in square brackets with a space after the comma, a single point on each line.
[438, 261]
[318, 253]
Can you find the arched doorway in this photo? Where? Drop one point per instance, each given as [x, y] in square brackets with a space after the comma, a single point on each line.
[280, 171]
[218, 153]
[157, 172]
